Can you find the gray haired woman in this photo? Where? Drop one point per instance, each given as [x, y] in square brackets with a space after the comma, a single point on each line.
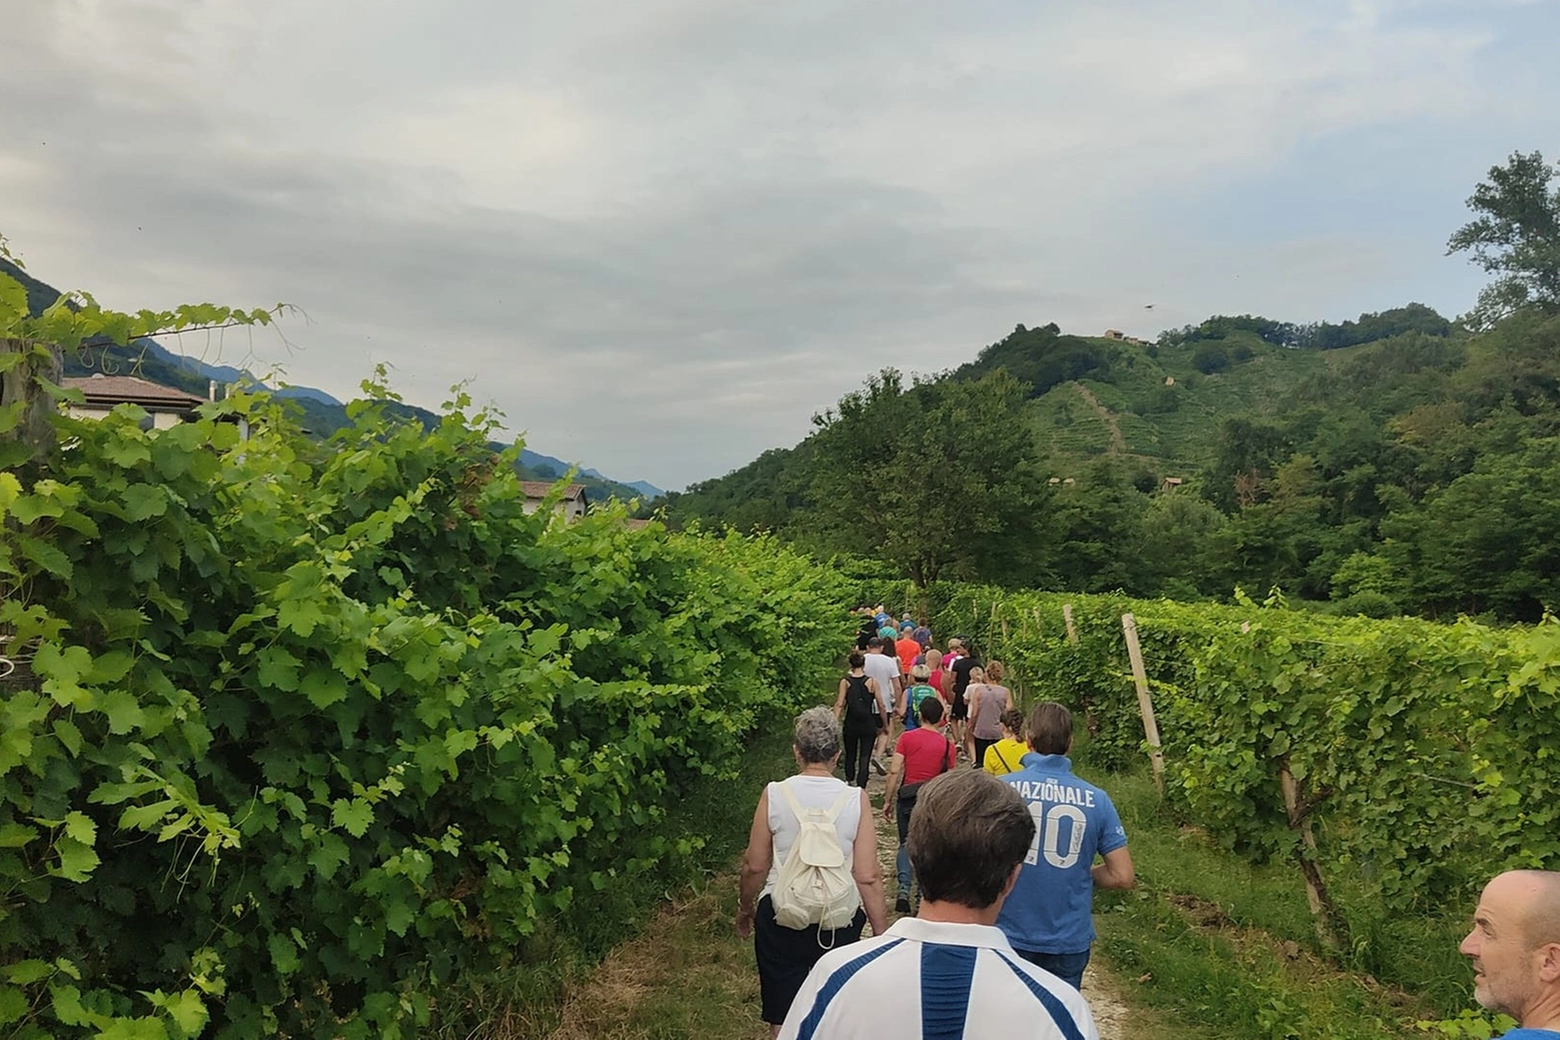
[786, 955]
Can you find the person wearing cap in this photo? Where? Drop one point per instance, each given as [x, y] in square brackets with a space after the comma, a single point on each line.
[1515, 949]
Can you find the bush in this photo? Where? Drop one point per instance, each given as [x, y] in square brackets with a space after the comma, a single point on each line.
[1210, 358]
[317, 729]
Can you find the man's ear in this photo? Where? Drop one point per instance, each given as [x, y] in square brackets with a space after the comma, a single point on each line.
[1012, 879]
[1549, 962]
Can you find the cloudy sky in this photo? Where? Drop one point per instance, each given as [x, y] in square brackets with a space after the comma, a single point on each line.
[660, 234]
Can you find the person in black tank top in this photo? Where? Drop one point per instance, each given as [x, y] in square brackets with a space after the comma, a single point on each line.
[863, 716]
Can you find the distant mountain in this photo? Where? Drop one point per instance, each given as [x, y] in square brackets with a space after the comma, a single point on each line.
[321, 414]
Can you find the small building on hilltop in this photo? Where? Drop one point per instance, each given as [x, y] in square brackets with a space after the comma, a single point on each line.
[572, 506]
[165, 406]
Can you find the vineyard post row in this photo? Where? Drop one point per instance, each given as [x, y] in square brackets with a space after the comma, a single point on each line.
[1414, 758]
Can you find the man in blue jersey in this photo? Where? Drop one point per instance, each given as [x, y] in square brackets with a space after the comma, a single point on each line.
[1515, 949]
[948, 972]
[1049, 917]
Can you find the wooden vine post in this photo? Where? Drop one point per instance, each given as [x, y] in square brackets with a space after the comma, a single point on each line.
[23, 395]
[1072, 629]
[1145, 701]
[1329, 926]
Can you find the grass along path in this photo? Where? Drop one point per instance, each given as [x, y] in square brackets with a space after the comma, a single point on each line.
[688, 976]
[1207, 946]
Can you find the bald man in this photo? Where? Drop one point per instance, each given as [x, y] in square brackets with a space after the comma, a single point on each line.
[1515, 949]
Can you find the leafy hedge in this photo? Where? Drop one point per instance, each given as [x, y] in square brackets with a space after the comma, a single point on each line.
[312, 729]
[1426, 755]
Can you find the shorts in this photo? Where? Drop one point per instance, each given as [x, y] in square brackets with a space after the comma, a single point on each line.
[786, 955]
[959, 710]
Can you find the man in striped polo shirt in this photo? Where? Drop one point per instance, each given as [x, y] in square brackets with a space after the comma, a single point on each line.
[948, 972]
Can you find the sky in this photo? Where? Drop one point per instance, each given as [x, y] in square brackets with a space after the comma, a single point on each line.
[660, 235]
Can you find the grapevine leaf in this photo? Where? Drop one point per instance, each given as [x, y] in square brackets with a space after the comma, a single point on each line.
[300, 615]
[278, 669]
[13, 1002]
[25, 973]
[134, 1029]
[47, 556]
[15, 835]
[77, 860]
[324, 687]
[124, 714]
[187, 1011]
[79, 825]
[352, 816]
[284, 955]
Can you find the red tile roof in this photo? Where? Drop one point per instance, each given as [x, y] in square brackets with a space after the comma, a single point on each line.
[111, 390]
[541, 489]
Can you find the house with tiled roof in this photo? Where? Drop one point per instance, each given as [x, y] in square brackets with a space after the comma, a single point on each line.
[571, 506]
[164, 405]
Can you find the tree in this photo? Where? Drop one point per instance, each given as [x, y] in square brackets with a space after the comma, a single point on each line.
[1516, 236]
[930, 477]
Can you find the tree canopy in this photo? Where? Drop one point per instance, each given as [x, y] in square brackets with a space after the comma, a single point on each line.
[930, 476]
[1516, 236]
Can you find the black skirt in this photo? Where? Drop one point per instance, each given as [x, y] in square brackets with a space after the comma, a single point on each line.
[786, 955]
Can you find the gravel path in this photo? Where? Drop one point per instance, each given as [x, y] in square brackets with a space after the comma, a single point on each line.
[1102, 992]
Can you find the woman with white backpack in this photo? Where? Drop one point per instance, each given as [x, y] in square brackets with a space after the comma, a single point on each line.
[810, 874]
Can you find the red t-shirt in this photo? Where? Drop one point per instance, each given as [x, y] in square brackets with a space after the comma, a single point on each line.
[937, 682]
[925, 750]
[907, 649]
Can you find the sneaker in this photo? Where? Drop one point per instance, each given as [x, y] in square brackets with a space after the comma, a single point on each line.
[877, 763]
[902, 905]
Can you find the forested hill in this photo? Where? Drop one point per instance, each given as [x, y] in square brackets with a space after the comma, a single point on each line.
[1389, 463]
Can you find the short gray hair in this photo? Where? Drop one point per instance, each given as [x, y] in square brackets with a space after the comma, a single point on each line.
[818, 735]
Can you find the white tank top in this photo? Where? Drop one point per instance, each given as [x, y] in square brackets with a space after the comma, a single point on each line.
[813, 792]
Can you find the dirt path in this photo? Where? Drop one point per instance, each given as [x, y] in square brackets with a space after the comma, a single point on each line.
[1118, 443]
[1102, 990]
[687, 975]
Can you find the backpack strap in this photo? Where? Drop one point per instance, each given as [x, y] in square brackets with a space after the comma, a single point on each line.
[838, 808]
[796, 807]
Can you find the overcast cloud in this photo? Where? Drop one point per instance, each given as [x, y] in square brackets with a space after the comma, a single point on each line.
[660, 235]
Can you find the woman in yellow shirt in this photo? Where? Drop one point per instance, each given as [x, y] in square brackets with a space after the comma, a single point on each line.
[1004, 755]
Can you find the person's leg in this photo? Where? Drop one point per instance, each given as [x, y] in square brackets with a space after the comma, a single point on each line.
[981, 745]
[848, 760]
[1066, 966]
[863, 746]
[902, 858]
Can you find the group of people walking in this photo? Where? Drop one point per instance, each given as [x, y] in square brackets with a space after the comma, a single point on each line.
[1006, 856]
[998, 844]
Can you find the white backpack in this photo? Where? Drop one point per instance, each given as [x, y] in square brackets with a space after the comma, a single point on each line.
[815, 884]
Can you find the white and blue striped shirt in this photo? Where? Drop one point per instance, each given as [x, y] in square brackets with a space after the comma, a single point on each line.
[926, 980]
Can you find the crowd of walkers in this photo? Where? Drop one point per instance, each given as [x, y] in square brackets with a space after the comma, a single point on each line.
[996, 859]
[1000, 850]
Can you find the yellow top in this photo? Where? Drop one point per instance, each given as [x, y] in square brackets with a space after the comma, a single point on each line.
[1003, 756]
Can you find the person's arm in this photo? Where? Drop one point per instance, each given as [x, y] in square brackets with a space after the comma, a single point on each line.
[896, 773]
[1115, 870]
[755, 866]
[839, 702]
[883, 711]
[902, 703]
[864, 867]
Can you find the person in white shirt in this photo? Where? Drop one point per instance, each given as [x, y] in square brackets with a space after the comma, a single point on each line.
[949, 971]
[784, 954]
[883, 665]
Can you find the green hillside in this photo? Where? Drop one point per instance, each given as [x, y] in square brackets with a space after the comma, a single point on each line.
[1418, 470]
